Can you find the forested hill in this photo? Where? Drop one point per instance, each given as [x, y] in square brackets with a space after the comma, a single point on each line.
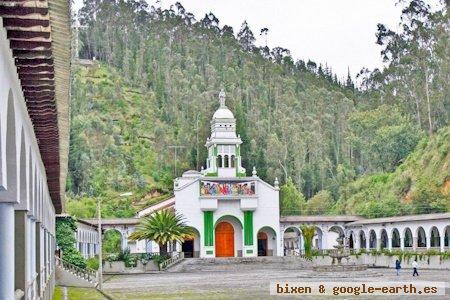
[155, 85]
[421, 184]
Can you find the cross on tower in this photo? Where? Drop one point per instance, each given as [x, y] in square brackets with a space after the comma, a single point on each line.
[222, 98]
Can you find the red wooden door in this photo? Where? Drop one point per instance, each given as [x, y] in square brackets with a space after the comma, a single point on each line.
[224, 240]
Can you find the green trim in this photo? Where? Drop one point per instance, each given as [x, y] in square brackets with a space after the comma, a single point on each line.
[249, 251]
[248, 228]
[212, 174]
[208, 228]
[209, 252]
[225, 217]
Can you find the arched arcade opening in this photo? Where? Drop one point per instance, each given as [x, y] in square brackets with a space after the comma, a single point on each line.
[408, 239]
[421, 238]
[372, 239]
[112, 241]
[292, 241]
[384, 239]
[396, 238]
[362, 240]
[435, 238]
[191, 245]
[267, 242]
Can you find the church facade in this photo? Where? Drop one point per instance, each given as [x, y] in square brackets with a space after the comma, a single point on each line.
[233, 215]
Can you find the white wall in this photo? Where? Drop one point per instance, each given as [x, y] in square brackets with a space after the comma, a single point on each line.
[266, 213]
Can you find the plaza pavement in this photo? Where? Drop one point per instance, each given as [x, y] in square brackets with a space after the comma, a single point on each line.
[250, 281]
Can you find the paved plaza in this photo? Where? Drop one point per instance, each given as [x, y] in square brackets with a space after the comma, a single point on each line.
[249, 281]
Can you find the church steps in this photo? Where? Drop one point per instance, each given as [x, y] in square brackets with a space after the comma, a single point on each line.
[240, 263]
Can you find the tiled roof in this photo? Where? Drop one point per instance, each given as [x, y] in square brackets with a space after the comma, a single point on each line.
[424, 217]
[39, 36]
[116, 221]
[319, 218]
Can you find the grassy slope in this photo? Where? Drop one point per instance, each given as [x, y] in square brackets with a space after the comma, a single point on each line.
[112, 125]
[423, 180]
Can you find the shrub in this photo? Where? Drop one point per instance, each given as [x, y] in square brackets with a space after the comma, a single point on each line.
[65, 239]
[92, 263]
[74, 257]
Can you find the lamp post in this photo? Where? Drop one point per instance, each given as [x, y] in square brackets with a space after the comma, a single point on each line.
[99, 220]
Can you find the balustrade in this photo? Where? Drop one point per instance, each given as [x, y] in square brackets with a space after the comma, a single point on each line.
[87, 274]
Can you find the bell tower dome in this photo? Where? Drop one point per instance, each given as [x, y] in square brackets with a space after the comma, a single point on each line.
[224, 158]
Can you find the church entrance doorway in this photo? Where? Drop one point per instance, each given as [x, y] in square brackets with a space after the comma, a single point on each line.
[224, 240]
[188, 248]
[262, 244]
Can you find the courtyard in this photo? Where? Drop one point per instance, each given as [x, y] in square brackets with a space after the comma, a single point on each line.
[200, 280]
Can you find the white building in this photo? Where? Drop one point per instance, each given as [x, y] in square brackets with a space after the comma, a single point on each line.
[34, 123]
[233, 215]
[87, 239]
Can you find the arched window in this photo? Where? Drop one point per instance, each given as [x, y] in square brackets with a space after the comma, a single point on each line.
[219, 161]
[372, 239]
[408, 239]
[362, 239]
[395, 238]
[421, 238]
[232, 161]
[435, 238]
[227, 162]
[384, 239]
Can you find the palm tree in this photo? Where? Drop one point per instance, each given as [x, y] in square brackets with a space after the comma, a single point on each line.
[308, 234]
[162, 227]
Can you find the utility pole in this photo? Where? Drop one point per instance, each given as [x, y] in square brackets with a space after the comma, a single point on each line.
[197, 154]
[100, 259]
[175, 148]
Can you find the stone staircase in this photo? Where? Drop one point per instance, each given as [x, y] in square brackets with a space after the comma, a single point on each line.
[242, 263]
[68, 274]
[171, 262]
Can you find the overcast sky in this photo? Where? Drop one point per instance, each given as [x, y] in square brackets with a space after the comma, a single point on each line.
[340, 33]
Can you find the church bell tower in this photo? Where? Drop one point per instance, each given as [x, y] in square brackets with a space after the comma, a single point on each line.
[224, 157]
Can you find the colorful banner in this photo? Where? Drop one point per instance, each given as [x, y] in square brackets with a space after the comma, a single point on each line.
[226, 188]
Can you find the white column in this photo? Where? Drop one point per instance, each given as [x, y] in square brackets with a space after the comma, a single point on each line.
[442, 242]
[301, 242]
[428, 241]
[49, 247]
[124, 241]
[29, 255]
[33, 271]
[367, 235]
[51, 254]
[356, 242]
[389, 243]
[6, 251]
[44, 279]
[415, 243]
[324, 238]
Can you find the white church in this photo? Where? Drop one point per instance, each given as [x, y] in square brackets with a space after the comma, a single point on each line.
[234, 215]
[238, 216]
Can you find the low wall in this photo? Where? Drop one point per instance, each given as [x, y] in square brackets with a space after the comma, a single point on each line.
[381, 260]
[118, 267]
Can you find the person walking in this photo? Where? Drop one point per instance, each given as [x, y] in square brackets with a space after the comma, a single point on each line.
[397, 267]
[414, 265]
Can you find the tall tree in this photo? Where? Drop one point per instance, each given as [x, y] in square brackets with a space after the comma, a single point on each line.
[245, 37]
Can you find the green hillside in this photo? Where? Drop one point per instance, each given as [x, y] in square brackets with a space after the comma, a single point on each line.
[419, 185]
[154, 85]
